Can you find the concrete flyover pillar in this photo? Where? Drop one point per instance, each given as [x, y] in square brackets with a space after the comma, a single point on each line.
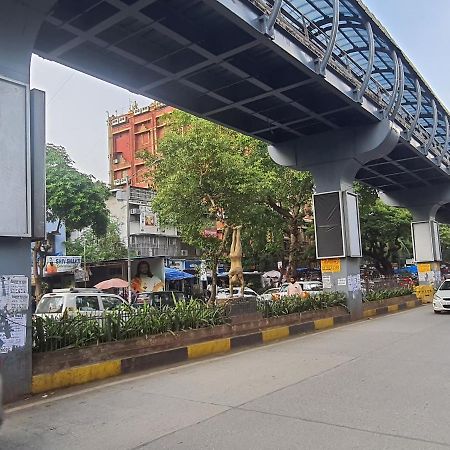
[334, 159]
[424, 204]
[22, 205]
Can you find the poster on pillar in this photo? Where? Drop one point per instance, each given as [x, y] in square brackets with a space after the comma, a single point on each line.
[14, 302]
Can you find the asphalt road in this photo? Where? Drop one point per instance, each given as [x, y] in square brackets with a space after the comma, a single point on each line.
[376, 384]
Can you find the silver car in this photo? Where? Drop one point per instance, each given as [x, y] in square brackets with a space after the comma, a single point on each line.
[224, 293]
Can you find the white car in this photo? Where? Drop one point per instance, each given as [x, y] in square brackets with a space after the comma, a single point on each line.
[224, 293]
[268, 295]
[310, 287]
[441, 299]
[83, 300]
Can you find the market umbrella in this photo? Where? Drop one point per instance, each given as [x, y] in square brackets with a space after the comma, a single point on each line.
[272, 274]
[112, 283]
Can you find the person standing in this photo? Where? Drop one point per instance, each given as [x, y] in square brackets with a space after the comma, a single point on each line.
[294, 288]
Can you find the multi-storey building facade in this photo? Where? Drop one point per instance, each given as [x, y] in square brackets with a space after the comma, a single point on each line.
[130, 134]
[147, 236]
[139, 130]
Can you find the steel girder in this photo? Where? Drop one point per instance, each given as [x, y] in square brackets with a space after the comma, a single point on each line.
[336, 17]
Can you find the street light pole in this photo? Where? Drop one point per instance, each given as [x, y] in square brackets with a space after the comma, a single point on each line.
[128, 197]
[128, 240]
[84, 258]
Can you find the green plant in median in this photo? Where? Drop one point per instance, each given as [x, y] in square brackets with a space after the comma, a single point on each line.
[387, 293]
[122, 323]
[293, 304]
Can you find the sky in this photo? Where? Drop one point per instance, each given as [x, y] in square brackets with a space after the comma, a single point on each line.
[77, 104]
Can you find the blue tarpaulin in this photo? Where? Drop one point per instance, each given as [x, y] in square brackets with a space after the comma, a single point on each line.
[174, 274]
[409, 269]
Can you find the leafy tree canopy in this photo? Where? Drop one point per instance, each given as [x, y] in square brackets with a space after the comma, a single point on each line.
[99, 248]
[203, 176]
[73, 197]
[385, 230]
[206, 173]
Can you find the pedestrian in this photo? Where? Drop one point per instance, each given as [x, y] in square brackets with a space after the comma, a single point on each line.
[294, 288]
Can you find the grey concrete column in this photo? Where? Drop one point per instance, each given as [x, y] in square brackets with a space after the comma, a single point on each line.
[426, 245]
[425, 204]
[334, 159]
[19, 24]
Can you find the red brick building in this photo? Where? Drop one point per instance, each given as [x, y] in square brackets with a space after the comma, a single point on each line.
[129, 134]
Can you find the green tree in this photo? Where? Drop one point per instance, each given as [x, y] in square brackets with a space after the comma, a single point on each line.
[202, 178]
[74, 198]
[288, 193]
[444, 232]
[99, 248]
[385, 230]
[205, 173]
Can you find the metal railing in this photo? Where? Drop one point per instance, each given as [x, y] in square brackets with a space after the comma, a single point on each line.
[294, 22]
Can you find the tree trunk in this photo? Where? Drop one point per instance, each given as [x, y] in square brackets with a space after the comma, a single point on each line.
[386, 266]
[214, 265]
[381, 263]
[294, 244]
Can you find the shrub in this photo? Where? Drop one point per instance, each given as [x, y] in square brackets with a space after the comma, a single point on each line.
[387, 293]
[293, 304]
[123, 323]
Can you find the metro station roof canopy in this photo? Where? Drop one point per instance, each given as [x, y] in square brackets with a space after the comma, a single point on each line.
[325, 65]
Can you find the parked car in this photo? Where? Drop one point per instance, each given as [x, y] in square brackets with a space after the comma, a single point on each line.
[441, 298]
[270, 294]
[82, 300]
[224, 293]
[310, 287]
[159, 299]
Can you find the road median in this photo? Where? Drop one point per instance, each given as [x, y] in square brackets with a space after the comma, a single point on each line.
[70, 367]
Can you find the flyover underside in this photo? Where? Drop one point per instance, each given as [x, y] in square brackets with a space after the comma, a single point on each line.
[192, 56]
[213, 58]
[403, 168]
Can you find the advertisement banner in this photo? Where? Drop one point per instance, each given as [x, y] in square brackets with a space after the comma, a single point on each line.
[14, 303]
[176, 264]
[331, 265]
[147, 218]
[192, 264]
[60, 264]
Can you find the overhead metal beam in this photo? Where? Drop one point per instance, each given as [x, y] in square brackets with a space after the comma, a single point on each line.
[332, 41]
[269, 22]
[371, 57]
[447, 138]
[401, 90]
[429, 143]
[395, 88]
[418, 110]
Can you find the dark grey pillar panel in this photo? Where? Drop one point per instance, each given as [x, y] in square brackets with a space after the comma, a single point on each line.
[15, 259]
[20, 22]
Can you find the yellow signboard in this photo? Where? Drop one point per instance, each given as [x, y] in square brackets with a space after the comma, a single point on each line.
[424, 267]
[424, 293]
[331, 265]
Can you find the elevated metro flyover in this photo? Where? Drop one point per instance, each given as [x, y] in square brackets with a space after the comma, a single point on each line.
[320, 81]
[325, 65]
